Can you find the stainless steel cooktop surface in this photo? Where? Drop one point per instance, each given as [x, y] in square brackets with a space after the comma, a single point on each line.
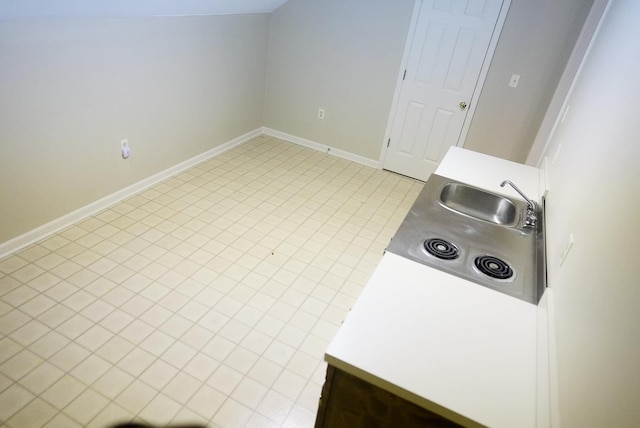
[475, 235]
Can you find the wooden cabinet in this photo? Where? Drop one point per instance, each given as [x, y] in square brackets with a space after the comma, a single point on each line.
[350, 402]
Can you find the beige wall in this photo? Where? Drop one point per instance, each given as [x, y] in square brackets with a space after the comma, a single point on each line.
[536, 42]
[177, 87]
[343, 56]
[594, 297]
[70, 90]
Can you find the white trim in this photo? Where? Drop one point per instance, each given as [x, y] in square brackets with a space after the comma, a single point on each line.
[557, 105]
[321, 147]
[41, 232]
[396, 94]
[502, 16]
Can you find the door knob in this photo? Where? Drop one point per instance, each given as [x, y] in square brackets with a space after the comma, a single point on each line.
[463, 105]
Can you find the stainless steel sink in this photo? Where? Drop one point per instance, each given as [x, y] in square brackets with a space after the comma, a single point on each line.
[476, 235]
[479, 204]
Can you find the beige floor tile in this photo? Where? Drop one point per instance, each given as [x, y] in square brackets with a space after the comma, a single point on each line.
[34, 414]
[186, 417]
[197, 337]
[206, 401]
[37, 305]
[113, 382]
[232, 414]
[158, 375]
[264, 371]
[201, 366]
[136, 361]
[62, 421]
[8, 348]
[299, 417]
[89, 370]
[29, 333]
[19, 295]
[157, 343]
[61, 291]
[12, 400]
[94, 338]
[48, 344]
[20, 364]
[182, 387]
[275, 406]
[110, 415]
[249, 392]
[136, 396]
[160, 410]
[178, 354]
[86, 406]
[74, 326]
[41, 378]
[241, 359]
[136, 331]
[65, 390]
[217, 289]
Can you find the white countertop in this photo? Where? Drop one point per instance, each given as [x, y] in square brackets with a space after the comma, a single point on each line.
[442, 342]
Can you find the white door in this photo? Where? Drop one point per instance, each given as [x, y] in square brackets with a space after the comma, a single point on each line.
[446, 52]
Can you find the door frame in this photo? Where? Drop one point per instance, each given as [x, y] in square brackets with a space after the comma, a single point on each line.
[506, 4]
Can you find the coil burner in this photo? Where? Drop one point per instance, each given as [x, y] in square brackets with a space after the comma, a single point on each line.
[441, 249]
[493, 267]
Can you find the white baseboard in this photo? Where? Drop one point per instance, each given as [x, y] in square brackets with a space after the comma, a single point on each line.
[321, 147]
[41, 232]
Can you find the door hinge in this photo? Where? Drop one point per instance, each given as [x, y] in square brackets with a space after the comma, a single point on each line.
[389, 141]
[404, 75]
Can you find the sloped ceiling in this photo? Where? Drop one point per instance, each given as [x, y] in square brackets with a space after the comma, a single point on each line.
[42, 9]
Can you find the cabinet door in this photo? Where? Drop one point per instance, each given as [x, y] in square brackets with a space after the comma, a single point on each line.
[350, 402]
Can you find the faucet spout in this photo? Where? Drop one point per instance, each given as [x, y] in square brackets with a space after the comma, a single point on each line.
[531, 219]
[532, 205]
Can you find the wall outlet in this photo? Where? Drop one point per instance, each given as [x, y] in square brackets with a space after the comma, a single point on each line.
[125, 149]
[321, 113]
[515, 78]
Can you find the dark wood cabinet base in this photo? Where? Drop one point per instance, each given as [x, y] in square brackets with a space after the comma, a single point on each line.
[350, 402]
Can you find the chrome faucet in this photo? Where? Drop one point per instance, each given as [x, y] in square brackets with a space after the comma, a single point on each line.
[531, 219]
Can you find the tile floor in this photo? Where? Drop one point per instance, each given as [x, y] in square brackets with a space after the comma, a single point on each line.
[209, 298]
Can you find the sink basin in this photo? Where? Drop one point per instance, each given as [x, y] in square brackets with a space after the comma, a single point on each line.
[479, 204]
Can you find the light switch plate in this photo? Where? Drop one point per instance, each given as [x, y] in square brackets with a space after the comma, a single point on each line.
[515, 79]
[567, 248]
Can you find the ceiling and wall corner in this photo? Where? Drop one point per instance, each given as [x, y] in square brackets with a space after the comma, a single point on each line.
[82, 9]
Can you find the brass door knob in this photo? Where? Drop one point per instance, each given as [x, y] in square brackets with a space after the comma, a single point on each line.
[463, 105]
